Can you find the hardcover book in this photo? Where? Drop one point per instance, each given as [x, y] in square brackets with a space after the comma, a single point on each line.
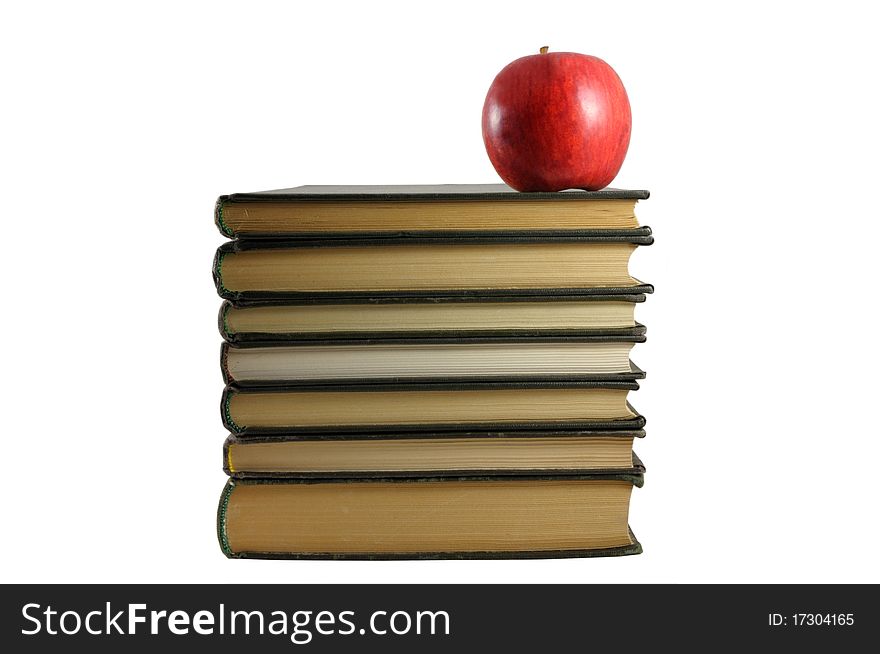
[592, 357]
[450, 210]
[541, 516]
[587, 405]
[432, 454]
[279, 270]
[400, 317]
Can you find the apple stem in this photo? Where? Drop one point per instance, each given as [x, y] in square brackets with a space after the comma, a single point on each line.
[544, 49]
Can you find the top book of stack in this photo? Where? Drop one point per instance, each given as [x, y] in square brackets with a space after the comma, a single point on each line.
[441, 211]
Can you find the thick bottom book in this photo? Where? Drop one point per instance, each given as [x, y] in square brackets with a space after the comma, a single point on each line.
[415, 518]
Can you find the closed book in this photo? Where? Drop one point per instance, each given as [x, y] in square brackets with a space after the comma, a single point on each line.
[397, 360]
[400, 317]
[287, 270]
[541, 516]
[419, 454]
[450, 209]
[509, 405]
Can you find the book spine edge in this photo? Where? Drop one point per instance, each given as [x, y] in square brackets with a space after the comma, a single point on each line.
[217, 273]
[218, 217]
[223, 322]
[225, 413]
[227, 455]
[224, 364]
[222, 508]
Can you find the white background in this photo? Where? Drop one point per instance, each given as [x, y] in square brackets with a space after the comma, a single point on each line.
[755, 128]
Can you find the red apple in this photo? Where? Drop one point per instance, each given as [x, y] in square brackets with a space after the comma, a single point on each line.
[557, 120]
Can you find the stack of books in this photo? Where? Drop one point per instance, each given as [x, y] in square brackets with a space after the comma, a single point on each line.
[429, 372]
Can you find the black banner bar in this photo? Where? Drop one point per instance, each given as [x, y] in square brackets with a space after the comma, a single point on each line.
[423, 618]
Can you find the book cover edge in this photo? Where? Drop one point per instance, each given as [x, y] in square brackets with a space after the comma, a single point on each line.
[501, 191]
[624, 550]
[218, 217]
[224, 363]
[222, 508]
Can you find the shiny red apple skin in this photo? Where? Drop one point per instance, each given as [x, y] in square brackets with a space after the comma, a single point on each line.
[557, 120]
